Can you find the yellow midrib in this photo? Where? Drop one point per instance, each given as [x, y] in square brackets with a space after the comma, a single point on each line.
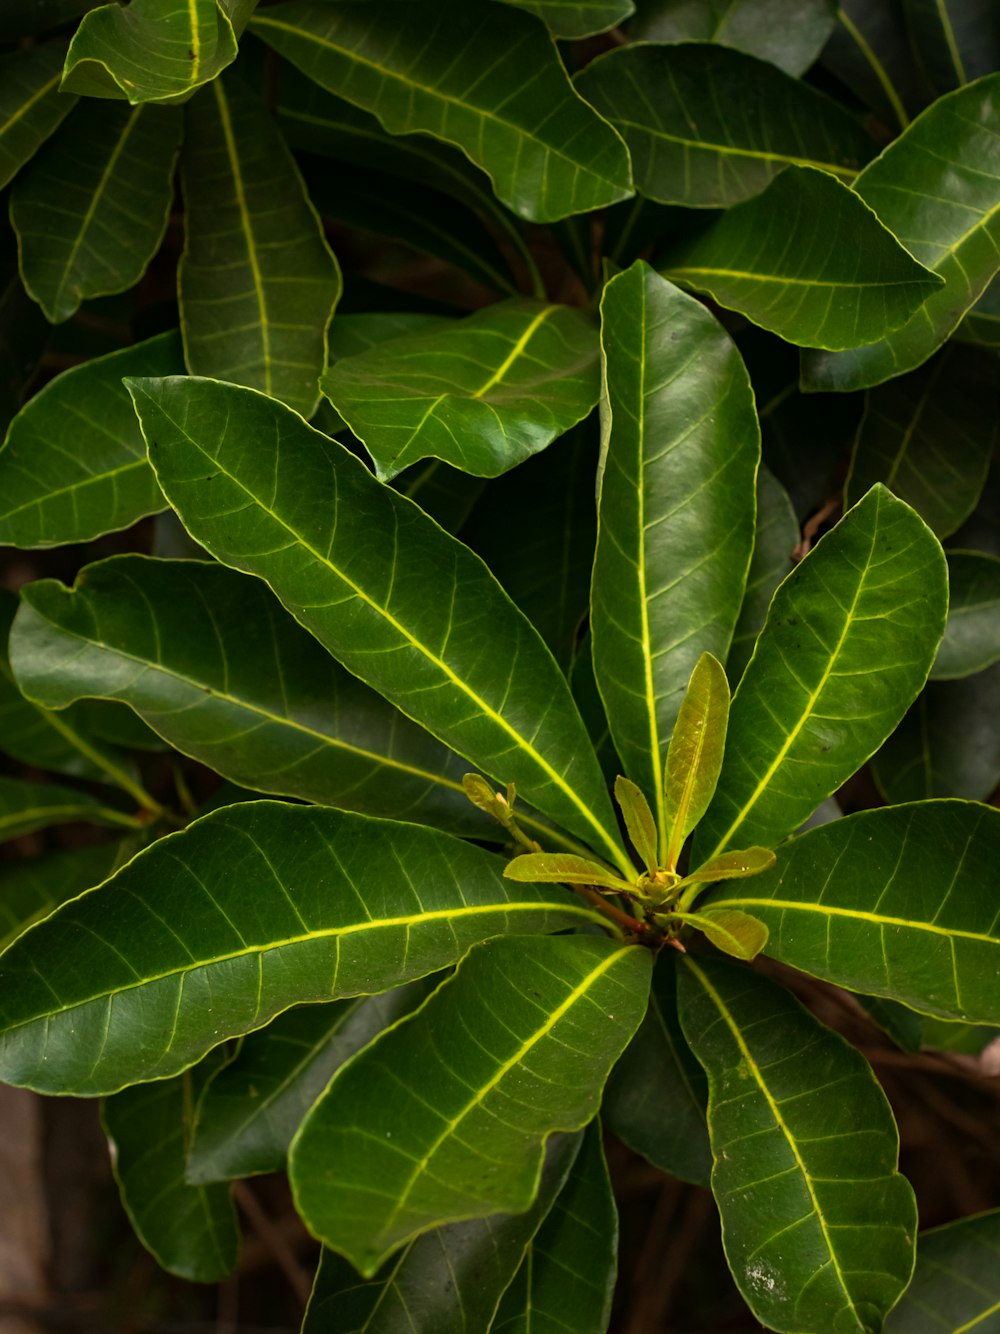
[26, 106]
[859, 915]
[729, 150]
[515, 352]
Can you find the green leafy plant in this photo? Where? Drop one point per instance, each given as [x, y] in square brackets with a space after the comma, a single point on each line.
[359, 664]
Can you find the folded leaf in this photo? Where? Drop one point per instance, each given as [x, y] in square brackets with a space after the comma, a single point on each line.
[808, 260]
[788, 33]
[487, 80]
[362, 588]
[956, 1283]
[517, 1044]
[817, 1223]
[972, 632]
[849, 640]
[707, 126]
[31, 106]
[775, 540]
[896, 902]
[25, 807]
[482, 394]
[213, 931]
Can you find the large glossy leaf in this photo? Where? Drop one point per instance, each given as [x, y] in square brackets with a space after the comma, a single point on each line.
[775, 540]
[954, 41]
[32, 887]
[213, 931]
[956, 1283]
[656, 1096]
[191, 1230]
[91, 209]
[74, 464]
[448, 1281]
[818, 1225]
[809, 261]
[577, 18]
[487, 80]
[252, 1107]
[149, 51]
[972, 633]
[567, 1277]
[848, 642]
[482, 394]
[675, 513]
[896, 902]
[788, 33]
[31, 106]
[363, 589]
[25, 807]
[870, 52]
[707, 126]
[930, 436]
[937, 187]
[444, 1116]
[257, 283]
[215, 665]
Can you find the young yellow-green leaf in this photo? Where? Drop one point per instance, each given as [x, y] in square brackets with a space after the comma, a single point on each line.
[730, 930]
[972, 632]
[788, 33]
[775, 540]
[211, 932]
[517, 1044]
[675, 514]
[808, 260]
[707, 126]
[190, 1229]
[25, 807]
[694, 758]
[896, 902]
[937, 187]
[485, 79]
[736, 865]
[848, 643]
[32, 886]
[956, 1282]
[573, 19]
[149, 51]
[73, 465]
[818, 1225]
[362, 587]
[257, 282]
[561, 868]
[31, 106]
[91, 209]
[639, 821]
[482, 394]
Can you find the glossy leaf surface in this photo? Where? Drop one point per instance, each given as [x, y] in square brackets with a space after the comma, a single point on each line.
[28, 806]
[149, 51]
[484, 79]
[775, 540]
[577, 18]
[74, 464]
[848, 642]
[956, 1284]
[870, 52]
[807, 260]
[191, 1230]
[31, 887]
[895, 902]
[108, 997]
[937, 187]
[31, 106]
[482, 394]
[257, 283]
[509, 712]
[818, 1225]
[788, 33]
[972, 632]
[707, 126]
[675, 514]
[215, 665]
[91, 210]
[517, 1044]
[694, 757]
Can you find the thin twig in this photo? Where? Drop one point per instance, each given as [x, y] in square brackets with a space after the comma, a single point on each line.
[277, 1245]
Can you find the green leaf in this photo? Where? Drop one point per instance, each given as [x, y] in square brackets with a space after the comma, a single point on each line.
[788, 33]
[31, 106]
[73, 465]
[808, 260]
[257, 283]
[639, 821]
[817, 1223]
[567, 1278]
[982, 323]
[19, 20]
[149, 51]
[577, 18]
[25, 807]
[656, 1096]
[31, 887]
[904, 1026]
[675, 514]
[448, 1281]
[373, 1166]
[560, 868]
[869, 51]
[937, 187]
[213, 663]
[732, 866]
[956, 1284]
[775, 540]
[929, 437]
[482, 394]
[849, 640]
[362, 590]
[91, 209]
[954, 41]
[694, 758]
[730, 930]
[487, 80]
[251, 1108]
[895, 902]
[178, 948]
[972, 632]
[707, 126]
